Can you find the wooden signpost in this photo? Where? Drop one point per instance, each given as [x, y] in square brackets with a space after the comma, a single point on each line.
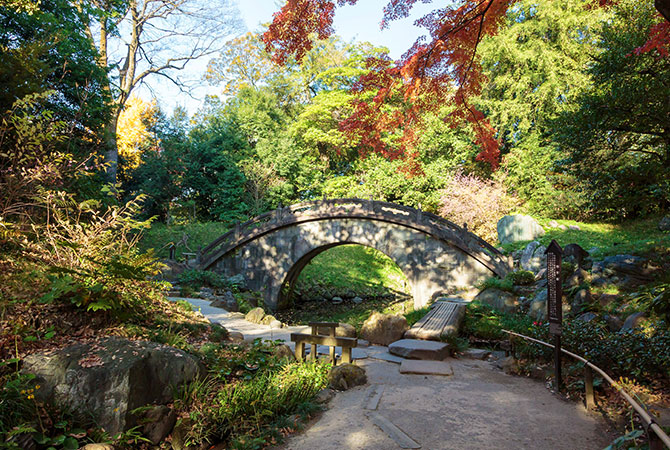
[554, 304]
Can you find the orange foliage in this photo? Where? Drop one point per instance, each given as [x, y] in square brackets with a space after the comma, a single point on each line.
[443, 69]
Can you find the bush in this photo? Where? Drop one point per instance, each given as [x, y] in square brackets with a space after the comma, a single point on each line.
[195, 279]
[521, 277]
[478, 203]
[641, 356]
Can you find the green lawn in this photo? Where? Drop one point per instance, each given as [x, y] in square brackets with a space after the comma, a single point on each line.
[636, 237]
[356, 268]
[197, 235]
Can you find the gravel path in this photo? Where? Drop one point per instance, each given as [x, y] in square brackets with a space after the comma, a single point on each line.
[478, 407]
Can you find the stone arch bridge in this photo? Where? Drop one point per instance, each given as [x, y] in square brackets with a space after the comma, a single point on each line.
[272, 249]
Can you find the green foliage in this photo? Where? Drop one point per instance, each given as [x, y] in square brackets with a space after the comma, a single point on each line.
[617, 136]
[350, 268]
[637, 354]
[198, 278]
[95, 265]
[188, 237]
[17, 405]
[496, 283]
[632, 237]
[521, 277]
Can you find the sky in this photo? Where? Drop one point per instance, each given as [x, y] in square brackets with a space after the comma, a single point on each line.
[352, 23]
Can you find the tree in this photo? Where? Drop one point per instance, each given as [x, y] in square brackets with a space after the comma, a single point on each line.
[160, 37]
[618, 138]
[134, 134]
[444, 69]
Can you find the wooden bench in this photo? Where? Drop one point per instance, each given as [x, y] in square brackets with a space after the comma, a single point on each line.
[330, 340]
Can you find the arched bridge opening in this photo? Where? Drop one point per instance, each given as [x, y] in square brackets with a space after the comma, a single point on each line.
[272, 249]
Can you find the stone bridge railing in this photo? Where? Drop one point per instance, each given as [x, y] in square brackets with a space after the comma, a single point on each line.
[348, 208]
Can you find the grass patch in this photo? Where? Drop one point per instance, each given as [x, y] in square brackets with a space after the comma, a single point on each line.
[187, 238]
[351, 268]
[634, 237]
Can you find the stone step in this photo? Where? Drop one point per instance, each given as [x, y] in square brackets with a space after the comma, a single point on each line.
[443, 319]
[418, 349]
[426, 368]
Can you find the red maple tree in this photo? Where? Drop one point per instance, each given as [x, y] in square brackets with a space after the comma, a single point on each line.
[443, 69]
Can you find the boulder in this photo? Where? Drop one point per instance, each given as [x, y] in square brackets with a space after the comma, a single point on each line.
[633, 267]
[383, 329]
[633, 321]
[419, 349]
[158, 423]
[581, 299]
[108, 378]
[476, 353]
[586, 317]
[227, 301]
[552, 224]
[337, 300]
[284, 351]
[235, 336]
[346, 376]
[575, 254]
[237, 281]
[578, 277]
[267, 320]
[324, 396]
[606, 299]
[357, 300]
[574, 227]
[517, 228]
[342, 330]
[255, 315]
[614, 323]
[664, 224]
[498, 299]
[538, 307]
[532, 257]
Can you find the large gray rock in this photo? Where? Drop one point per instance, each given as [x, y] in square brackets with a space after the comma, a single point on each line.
[342, 330]
[346, 376]
[518, 227]
[419, 349]
[633, 321]
[664, 224]
[538, 307]
[384, 329]
[498, 299]
[158, 423]
[107, 378]
[227, 301]
[575, 253]
[578, 277]
[582, 298]
[635, 268]
[526, 262]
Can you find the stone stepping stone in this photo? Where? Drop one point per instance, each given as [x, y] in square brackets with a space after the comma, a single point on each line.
[382, 353]
[444, 319]
[374, 396]
[426, 367]
[395, 433]
[476, 353]
[418, 349]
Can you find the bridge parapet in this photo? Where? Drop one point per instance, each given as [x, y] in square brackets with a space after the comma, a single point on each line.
[425, 222]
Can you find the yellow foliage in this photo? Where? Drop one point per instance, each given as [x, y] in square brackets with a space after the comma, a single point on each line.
[133, 134]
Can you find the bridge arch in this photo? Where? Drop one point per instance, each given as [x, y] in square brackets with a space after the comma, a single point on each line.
[272, 249]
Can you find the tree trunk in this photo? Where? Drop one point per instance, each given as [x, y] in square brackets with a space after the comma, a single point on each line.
[111, 149]
[663, 6]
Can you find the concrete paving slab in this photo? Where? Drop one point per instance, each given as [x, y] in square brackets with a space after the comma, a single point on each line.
[399, 437]
[375, 394]
[418, 349]
[426, 367]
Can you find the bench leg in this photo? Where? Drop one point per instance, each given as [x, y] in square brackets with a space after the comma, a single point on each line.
[312, 354]
[346, 355]
[300, 351]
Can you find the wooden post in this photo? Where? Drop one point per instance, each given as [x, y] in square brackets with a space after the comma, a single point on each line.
[173, 251]
[300, 351]
[333, 359]
[346, 355]
[237, 230]
[655, 442]
[555, 304]
[312, 347]
[588, 388]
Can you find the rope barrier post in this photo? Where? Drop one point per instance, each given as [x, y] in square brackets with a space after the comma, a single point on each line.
[588, 388]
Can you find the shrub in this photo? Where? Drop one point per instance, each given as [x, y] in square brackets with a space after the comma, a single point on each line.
[478, 203]
[196, 279]
[521, 277]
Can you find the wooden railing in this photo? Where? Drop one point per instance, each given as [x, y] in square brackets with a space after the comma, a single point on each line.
[656, 435]
[356, 208]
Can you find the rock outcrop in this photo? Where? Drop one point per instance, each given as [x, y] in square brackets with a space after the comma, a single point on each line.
[108, 378]
[383, 329]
